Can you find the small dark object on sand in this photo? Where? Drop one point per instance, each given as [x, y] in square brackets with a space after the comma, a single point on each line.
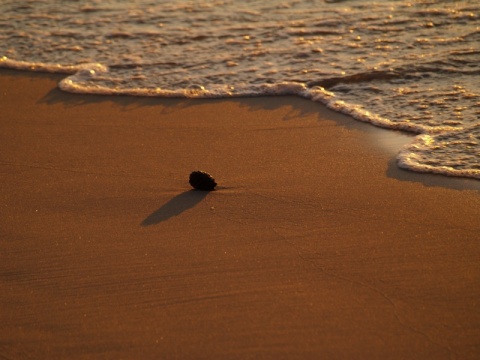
[201, 180]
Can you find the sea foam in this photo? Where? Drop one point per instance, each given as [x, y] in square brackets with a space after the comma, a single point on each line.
[396, 64]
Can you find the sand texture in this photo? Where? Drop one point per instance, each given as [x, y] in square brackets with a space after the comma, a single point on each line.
[314, 246]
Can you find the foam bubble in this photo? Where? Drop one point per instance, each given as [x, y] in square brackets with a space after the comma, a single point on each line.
[452, 153]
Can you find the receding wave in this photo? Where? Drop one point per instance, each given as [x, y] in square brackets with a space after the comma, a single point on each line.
[396, 64]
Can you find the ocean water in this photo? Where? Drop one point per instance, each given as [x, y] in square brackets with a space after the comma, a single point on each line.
[408, 65]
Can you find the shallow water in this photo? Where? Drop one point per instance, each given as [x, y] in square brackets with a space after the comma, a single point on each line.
[404, 65]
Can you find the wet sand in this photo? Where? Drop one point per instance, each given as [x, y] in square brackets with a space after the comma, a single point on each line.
[315, 244]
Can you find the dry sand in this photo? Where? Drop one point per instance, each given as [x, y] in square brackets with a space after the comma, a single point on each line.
[315, 245]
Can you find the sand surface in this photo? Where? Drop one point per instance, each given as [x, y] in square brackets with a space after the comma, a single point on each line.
[315, 246]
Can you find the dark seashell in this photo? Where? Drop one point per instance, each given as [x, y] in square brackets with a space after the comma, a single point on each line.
[201, 180]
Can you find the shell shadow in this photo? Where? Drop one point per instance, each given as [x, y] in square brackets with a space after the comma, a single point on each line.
[175, 206]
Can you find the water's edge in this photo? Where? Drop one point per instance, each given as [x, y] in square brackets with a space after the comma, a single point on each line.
[404, 158]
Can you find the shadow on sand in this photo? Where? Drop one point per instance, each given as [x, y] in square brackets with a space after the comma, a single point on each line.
[175, 206]
[431, 180]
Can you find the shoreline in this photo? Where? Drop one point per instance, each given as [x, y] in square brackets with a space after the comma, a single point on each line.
[304, 250]
[389, 141]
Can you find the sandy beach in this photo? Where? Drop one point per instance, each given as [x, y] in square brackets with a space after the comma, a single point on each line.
[314, 246]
